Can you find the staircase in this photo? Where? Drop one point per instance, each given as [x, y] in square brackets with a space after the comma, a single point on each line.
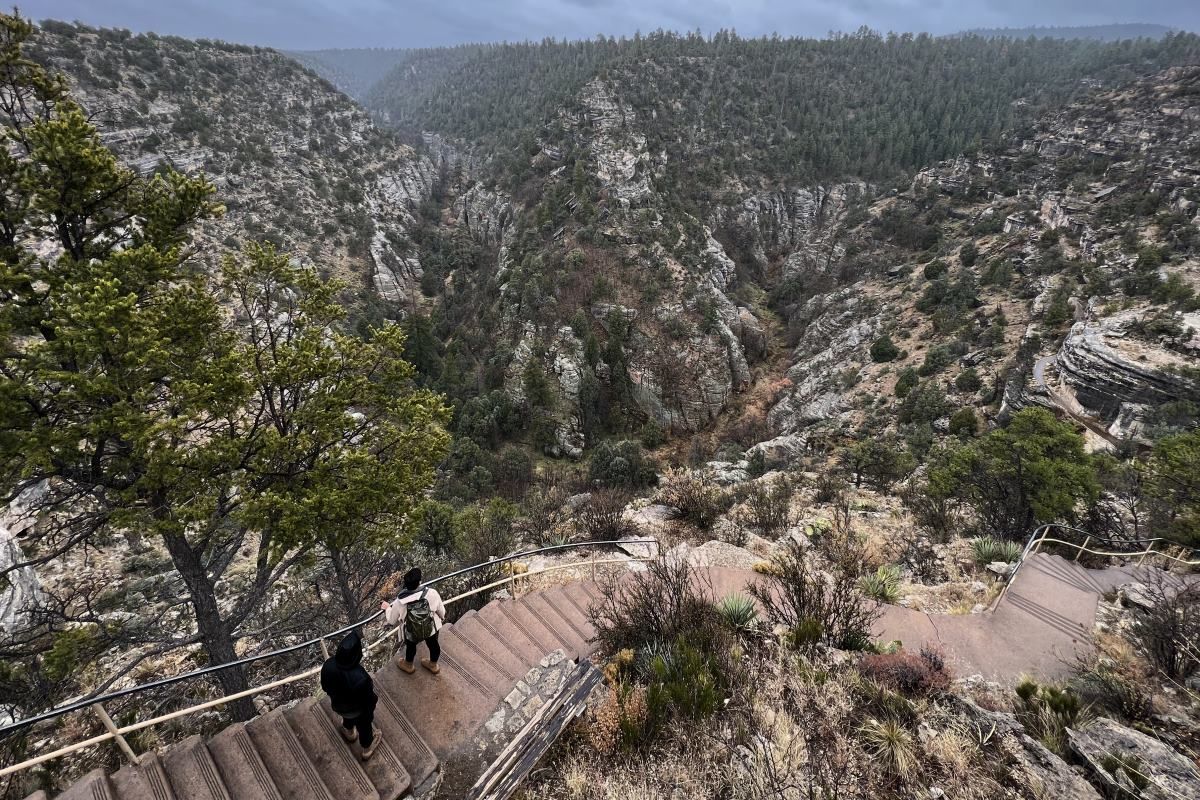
[1044, 619]
[297, 753]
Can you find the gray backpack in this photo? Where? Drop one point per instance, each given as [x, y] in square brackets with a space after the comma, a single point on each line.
[418, 622]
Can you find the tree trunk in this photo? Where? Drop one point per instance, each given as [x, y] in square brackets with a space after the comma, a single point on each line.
[350, 603]
[214, 631]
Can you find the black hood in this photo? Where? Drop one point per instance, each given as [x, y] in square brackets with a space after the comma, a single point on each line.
[349, 652]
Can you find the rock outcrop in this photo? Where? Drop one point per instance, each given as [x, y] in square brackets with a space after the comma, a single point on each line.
[1131, 764]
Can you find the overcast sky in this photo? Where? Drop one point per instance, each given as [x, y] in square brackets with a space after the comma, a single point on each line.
[312, 24]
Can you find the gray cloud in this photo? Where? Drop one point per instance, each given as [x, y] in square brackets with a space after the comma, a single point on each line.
[304, 24]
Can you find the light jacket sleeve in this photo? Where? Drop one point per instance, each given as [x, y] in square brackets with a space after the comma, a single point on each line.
[396, 612]
[437, 607]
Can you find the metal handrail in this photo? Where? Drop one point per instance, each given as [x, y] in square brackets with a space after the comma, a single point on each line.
[117, 734]
[88, 702]
[1039, 537]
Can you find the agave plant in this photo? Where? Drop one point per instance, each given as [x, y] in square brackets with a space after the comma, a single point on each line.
[987, 549]
[738, 612]
[883, 584]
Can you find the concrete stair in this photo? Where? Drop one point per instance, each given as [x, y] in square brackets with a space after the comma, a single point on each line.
[423, 719]
[297, 753]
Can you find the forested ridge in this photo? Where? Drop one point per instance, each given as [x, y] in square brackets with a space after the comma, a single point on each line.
[863, 104]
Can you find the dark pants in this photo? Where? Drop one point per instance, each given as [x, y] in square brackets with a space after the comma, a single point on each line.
[363, 723]
[435, 649]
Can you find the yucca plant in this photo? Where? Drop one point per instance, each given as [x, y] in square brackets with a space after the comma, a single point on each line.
[987, 549]
[892, 746]
[883, 584]
[738, 612]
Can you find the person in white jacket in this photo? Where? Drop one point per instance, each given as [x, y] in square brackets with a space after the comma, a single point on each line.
[420, 614]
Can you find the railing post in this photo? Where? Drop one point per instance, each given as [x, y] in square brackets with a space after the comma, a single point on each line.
[1079, 550]
[593, 566]
[324, 650]
[112, 728]
[1145, 553]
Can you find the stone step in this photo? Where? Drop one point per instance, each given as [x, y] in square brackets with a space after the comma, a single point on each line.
[294, 773]
[93, 786]
[336, 761]
[385, 769]
[524, 649]
[240, 766]
[193, 773]
[146, 780]
[569, 639]
[558, 599]
[446, 709]
[501, 660]
[577, 595]
[417, 757]
[507, 618]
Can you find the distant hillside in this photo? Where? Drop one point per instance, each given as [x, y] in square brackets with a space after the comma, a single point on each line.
[354, 71]
[864, 105]
[1100, 33]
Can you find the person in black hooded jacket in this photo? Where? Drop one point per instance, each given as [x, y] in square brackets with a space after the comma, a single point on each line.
[352, 693]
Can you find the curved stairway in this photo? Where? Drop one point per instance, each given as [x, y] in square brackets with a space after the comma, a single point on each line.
[297, 753]
[1041, 623]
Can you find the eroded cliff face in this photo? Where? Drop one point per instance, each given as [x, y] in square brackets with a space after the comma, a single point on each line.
[294, 161]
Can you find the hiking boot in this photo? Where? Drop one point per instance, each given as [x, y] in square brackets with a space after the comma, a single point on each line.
[405, 666]
[370, 751]
[349, 735]
[430, 665]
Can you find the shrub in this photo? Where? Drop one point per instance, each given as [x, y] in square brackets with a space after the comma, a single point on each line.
[910, 674]
[652, 608]
[653, 435]
[699, 501]
[884, 349]
[1126, 765]
[738, 612]
[1047, 711]
[602, 517]
[1167, 633]
[987, 549]
[621, 464]
[1115, 685]
[799, 597]
[540, 515]
[937, 515]
[769, 507]
[964, 422]
[883, 584]
[968, 381]
[757, 464]
[686, 684]
[906, 382]
[433, 526]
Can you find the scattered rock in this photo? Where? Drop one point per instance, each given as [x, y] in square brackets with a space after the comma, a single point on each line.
[1137, 595]
[638, 549]
[1171, 776]
[651, 520]
[1001, 568]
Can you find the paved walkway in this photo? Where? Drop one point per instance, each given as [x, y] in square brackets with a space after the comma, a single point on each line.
[296, 753]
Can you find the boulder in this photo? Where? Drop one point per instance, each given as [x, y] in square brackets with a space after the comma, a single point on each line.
[1164, 773]
[638, 549]
[782, 451]
[1001, 568]
[727, 473]
[1137, 595]
[651, 520]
